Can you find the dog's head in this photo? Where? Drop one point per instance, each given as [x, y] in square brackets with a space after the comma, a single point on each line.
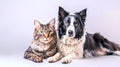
[71, 25]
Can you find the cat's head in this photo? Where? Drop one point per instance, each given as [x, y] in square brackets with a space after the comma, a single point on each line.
[44, 33]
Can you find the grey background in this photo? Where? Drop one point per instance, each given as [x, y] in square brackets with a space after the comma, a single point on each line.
[16, 26]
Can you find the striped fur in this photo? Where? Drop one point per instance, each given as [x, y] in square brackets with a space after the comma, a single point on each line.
[43, 43]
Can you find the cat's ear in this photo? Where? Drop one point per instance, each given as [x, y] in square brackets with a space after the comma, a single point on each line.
[52, 23]
[36, 23]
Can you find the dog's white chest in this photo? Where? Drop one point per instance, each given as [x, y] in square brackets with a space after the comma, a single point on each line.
[68, 46]
[65, 50]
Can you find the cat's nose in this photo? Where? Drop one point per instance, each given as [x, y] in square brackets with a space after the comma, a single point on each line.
[46, 35]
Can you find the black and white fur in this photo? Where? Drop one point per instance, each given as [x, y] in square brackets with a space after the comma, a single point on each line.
[73, 25]
[75, 43]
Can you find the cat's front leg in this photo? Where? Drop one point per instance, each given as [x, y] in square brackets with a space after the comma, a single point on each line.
[32, 56]
[55, 58]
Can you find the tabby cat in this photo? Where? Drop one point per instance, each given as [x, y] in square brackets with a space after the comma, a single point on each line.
[43, 43]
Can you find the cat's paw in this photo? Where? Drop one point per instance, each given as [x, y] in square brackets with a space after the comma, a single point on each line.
[66, 60]
[37, 59]
[52, 59]
[33, 57]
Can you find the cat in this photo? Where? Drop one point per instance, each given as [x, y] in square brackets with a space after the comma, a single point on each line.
[43, 42]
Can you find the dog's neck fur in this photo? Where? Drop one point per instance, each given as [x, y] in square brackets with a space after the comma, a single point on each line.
[74, 41]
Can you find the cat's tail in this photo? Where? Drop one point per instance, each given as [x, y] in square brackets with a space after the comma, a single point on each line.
[107, 43]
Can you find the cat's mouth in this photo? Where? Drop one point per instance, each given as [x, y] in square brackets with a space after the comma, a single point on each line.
[46, 40]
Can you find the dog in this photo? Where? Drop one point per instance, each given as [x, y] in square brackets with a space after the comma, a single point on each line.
[75, 43]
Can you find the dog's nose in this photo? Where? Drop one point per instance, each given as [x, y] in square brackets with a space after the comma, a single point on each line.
[70, 32]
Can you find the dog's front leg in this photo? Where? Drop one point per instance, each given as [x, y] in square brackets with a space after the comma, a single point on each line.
[55, 58]
[68, 58]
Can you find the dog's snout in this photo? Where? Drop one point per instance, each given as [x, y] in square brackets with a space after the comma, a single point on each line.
[70, 32]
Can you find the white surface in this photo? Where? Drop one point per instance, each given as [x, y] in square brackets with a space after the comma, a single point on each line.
[16, 27]
[19, 61]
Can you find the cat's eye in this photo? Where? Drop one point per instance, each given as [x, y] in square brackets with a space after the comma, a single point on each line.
[50, 31]
[40, 32]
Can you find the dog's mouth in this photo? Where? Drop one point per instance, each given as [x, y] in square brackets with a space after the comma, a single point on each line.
[70, 35]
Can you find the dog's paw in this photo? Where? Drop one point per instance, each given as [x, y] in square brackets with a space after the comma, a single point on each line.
[38, 59]
[66, 60]
[52, 59]
[117, 53]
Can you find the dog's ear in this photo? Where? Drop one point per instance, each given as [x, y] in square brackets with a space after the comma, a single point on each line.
[82, 14]
[62, 13]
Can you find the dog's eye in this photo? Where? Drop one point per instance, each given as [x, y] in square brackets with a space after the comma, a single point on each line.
[66, 24]
[76, 24]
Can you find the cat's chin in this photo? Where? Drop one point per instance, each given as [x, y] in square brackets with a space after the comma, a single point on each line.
[45, 41]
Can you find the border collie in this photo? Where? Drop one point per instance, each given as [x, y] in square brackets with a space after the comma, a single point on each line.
[75, 42]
